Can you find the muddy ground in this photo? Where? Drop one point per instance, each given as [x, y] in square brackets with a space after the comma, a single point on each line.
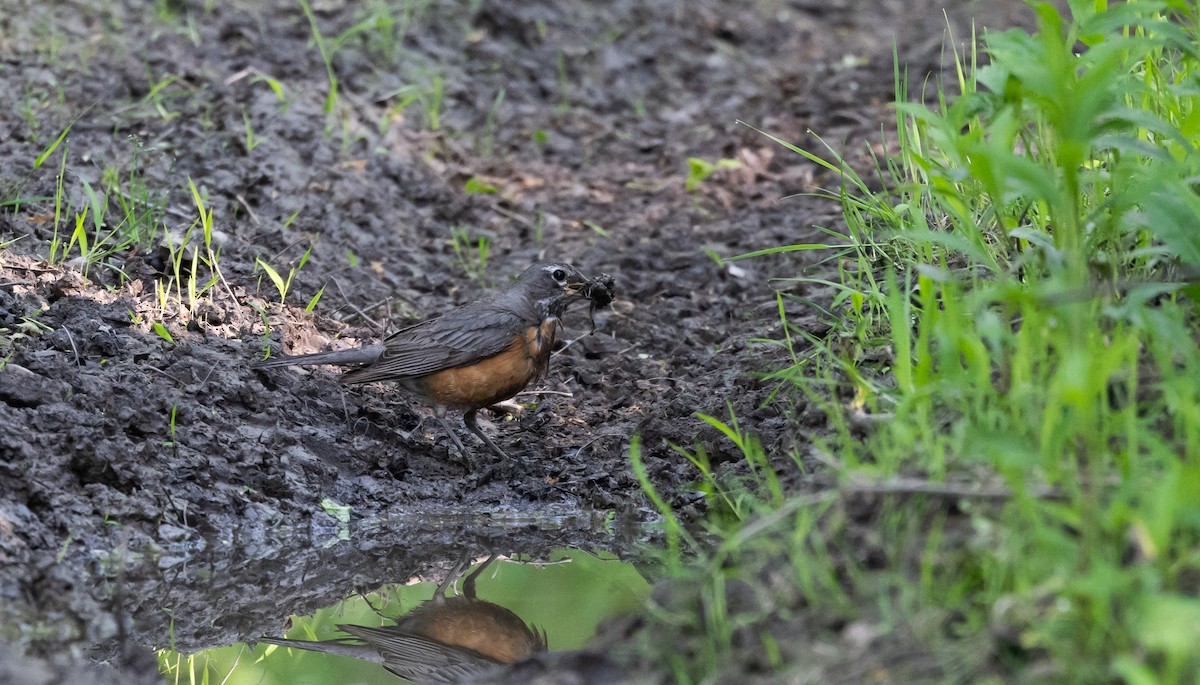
[125, 456]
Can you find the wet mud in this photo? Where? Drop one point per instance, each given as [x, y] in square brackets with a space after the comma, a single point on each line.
[156, 490]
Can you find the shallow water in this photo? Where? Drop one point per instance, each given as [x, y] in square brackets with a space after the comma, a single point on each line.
[567, 596]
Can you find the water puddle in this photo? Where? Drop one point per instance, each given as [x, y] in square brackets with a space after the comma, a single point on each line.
[487, 613]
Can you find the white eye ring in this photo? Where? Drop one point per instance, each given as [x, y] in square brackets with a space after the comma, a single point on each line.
[559, 275]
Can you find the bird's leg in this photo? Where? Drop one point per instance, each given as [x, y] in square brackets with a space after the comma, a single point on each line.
[469, 581]
[440, 592]
[440, 413]
[469, 420]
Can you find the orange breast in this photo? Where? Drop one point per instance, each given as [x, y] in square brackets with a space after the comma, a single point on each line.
[496, 378]
[482, 626]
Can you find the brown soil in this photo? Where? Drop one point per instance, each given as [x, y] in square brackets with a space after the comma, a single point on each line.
[138, 474]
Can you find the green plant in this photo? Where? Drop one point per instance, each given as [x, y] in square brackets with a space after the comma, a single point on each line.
[10, 195]
[477, 186]
[180, 18]
[760, 467]
[283, 285]
[312, 302]
[596, 228]
[563, 80]
[385, 28]
[471, 253]
[186, 284]
[58, 251]
[385, 32]
[720, 593]
[172, 441]
[123, 214]
[27, 327]
[431, 96]
[428, 92]
[676, 534]
[1010, 373]
[331, 93]
[156, 96]
[65, 548]
[266, 337]
[487, 142]
[700, 169]
[1026, 277]
[31, 103]
[251, 140]
[281, 94]
[162, 332]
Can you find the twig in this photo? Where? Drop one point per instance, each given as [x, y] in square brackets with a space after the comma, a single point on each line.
[916, 486]
[593, 441]
[782, 513]
[512, 215]
[240, 75]
[859, 485]
[169, 376]
[547, 392]
[373, 323]
[825, 459]
[74, 349]
[570, 342]
[891, 486]
[249, 210]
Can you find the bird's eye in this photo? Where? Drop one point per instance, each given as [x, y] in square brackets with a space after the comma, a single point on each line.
[559, 275]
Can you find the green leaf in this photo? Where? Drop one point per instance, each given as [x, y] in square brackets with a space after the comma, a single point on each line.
[275, 85]
[340, 512]
[596, 227]
[698, 170]
[41, 159]
[1170, 623]
[474, 186]
[312, 304]
[162, 332]
[274, 276]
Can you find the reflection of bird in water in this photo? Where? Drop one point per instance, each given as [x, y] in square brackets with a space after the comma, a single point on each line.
[445, 640]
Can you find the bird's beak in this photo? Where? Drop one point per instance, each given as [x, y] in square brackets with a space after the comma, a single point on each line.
[577, 285]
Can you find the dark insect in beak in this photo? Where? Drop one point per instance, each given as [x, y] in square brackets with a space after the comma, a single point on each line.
[598, 291]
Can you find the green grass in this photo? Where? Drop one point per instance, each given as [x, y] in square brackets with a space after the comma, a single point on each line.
[98, 224]
[195, 269]
[381, 28]
[1011, 485]
[104, 210]
[471, 253]
[284, 284]
[121, 212]
[701, 169]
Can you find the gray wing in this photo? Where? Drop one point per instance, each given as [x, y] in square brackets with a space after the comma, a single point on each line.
[420, 659]
[459, 338]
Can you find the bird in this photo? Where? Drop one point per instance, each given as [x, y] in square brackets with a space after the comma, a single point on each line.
[444, 640]
[476, 355]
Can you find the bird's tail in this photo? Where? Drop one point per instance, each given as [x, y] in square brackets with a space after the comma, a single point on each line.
[340, 646]
[357, 356]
